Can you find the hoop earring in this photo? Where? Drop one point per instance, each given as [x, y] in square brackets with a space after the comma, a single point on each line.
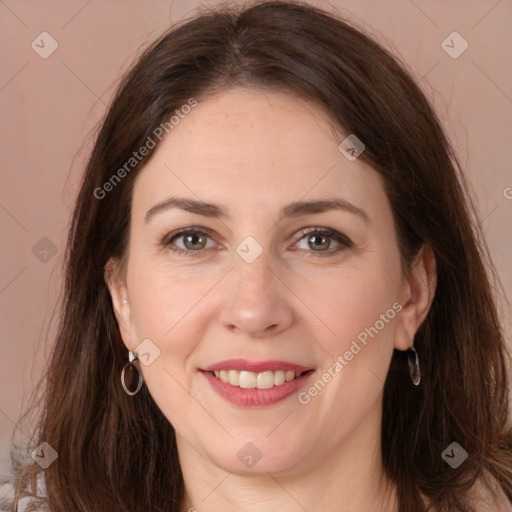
[414, 365]
[134, 377]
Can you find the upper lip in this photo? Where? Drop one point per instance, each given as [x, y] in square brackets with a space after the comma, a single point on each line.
[255, 366]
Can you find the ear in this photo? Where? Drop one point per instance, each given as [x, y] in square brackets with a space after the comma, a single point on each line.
[417, 294]
[116, 283]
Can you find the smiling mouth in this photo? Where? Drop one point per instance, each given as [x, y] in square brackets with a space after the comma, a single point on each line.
[252, 380]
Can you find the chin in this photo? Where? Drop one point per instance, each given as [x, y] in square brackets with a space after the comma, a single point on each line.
[259, 456]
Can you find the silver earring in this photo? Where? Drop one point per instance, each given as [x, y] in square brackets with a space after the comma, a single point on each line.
[414, 365]
[132, 374]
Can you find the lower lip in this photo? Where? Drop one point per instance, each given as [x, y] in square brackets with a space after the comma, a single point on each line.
[256, 397]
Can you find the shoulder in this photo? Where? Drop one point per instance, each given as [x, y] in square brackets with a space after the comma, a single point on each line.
[489, 498]
[484, 498]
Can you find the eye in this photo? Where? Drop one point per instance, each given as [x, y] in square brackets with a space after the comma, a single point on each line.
[320, 239]
[195, 241]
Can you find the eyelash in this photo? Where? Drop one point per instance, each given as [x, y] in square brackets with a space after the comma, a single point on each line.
[339, 237]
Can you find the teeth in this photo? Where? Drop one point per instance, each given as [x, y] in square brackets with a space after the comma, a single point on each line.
[251, 380]
[279, 378]
[265, 380]
[248, 380]
[234, 376]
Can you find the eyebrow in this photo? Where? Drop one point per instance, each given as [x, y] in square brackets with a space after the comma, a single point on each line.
[291, 210]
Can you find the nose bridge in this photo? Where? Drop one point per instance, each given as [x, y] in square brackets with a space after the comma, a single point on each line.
[254, 277]
[256, 302]
[253, 261]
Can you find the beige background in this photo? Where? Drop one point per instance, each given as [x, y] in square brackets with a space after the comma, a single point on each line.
[50, 107]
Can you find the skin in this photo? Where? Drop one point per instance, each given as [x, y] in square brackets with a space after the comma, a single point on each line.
[254, 151]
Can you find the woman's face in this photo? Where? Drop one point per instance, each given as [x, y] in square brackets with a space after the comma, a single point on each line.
[249, 286]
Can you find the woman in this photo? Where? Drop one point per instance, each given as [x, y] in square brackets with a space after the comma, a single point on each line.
[276, 293]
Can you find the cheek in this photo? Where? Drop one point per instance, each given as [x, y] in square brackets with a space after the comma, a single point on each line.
[163, 296]
[356, 336]
[165, 306]
[358, 309]
[352, 302]
[337, 302]
[162, 304]
[359, 312]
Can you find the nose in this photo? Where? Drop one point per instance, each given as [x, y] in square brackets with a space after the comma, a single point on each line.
[257, 300]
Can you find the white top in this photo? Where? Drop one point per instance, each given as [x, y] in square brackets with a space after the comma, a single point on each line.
[7, 494]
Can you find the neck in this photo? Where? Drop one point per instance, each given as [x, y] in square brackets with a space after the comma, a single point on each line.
[344, 477]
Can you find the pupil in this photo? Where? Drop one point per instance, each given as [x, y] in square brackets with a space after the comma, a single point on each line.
[193, 238]
[322, 237]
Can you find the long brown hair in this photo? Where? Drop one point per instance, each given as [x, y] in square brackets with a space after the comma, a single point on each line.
[119, 452]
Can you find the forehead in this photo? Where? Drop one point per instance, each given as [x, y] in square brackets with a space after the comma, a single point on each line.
[249, 147]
